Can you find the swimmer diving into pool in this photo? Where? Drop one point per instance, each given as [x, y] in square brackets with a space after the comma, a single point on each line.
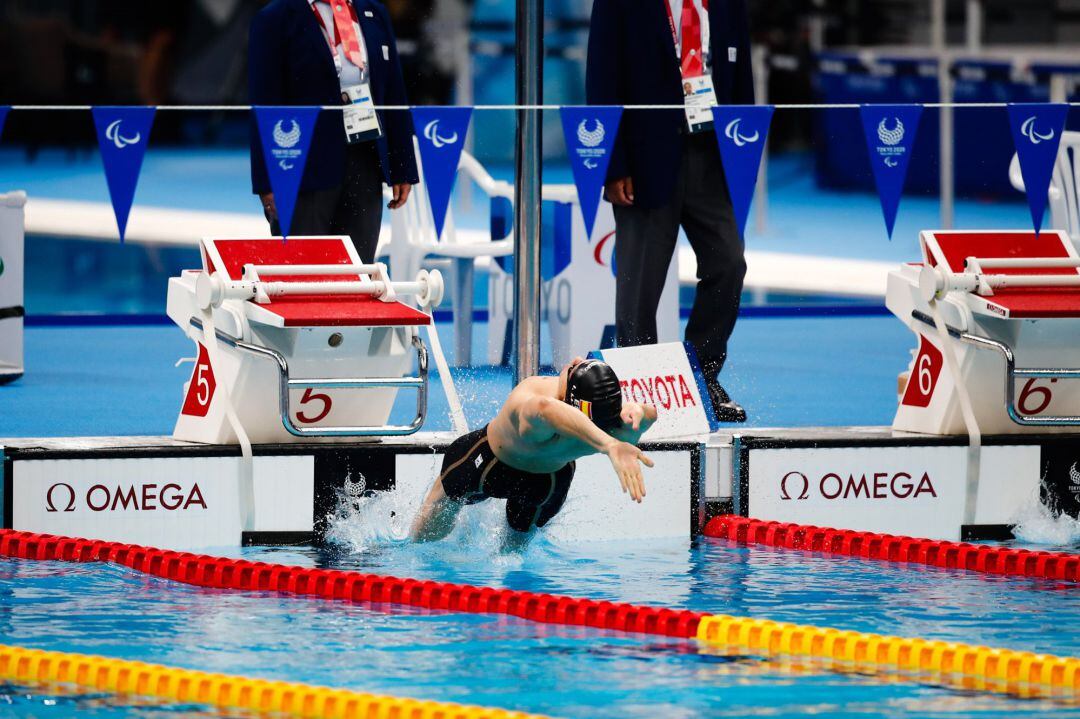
[526, 454]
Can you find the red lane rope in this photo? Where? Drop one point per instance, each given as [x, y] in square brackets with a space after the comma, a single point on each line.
[891, 548]
[220, 573]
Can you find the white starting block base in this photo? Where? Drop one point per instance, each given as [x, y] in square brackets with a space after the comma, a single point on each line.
[875, 479]
[169, 493]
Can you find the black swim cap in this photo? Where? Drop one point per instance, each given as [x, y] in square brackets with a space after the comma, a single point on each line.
[594, 388]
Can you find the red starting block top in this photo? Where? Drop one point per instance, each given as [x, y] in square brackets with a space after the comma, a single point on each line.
[230, 256]
[1023, 302]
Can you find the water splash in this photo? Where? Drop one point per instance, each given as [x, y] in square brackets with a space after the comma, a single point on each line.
[1036, 523]
[364, 522]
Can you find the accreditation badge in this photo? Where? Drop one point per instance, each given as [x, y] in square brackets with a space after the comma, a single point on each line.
[699, 98]
[361, 120]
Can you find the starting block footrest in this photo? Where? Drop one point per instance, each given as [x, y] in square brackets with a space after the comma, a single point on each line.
[419, 383]
[1012, 373]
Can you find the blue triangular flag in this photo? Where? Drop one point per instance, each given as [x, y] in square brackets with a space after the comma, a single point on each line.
[3, 116]
[123, 134]
[285, 133]
[440, 132]
[1036, 129]
[742, 131]
[590, 134]
[890, 139]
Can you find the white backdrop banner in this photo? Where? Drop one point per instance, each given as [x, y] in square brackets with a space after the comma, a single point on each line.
[11, 284]
[578, 302]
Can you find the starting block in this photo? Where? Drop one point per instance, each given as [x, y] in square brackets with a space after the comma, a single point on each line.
[1009, 306]
[300, 339]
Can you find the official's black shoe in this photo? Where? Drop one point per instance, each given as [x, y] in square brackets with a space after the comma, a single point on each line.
[727, 410]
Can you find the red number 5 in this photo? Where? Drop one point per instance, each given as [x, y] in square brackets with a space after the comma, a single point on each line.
[309, 396]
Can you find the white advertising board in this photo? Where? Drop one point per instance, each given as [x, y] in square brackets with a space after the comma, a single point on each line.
[596, 508]
[578, 303]
[11, 284]
[667, 377]
[167, 502]
[912, 491]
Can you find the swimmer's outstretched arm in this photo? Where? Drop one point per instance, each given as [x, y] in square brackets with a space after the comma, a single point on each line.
[547, 415]
[436, 516]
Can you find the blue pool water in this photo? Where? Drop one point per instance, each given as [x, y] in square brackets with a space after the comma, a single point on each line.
[512, 663]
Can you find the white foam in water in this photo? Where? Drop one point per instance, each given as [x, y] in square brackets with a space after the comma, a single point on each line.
[367, 522]
[1038, 524]
[362, 522]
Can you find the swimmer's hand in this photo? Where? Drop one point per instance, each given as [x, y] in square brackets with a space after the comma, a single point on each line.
[624, 458]
[634, 415]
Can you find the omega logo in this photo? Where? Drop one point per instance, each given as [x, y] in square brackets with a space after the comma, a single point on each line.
[61, 497]
[876, 485]
[68, 493]
[798, 479]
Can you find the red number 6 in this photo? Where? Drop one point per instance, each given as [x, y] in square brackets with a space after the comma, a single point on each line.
[1029, 390]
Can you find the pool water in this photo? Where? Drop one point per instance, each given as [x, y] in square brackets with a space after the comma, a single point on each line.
[515, 664]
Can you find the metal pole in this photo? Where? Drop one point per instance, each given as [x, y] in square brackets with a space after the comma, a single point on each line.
[761, 194]
[945, 148]
[817, 26]
[463, 84]
[937, 24]
[974, 25]
[529, 26]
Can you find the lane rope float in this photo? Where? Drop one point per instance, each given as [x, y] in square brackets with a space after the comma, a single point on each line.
[1005, 561]
[995, 670]
[224, 691]
[965, 665]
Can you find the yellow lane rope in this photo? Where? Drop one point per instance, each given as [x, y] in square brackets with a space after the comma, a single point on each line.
[975, 667]
[121, 676]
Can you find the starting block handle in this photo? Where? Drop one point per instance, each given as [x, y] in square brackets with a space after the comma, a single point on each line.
[1011, 374]
[935, 283]
[976, 264]
[285, 383]
[255, 272]
[212, 290]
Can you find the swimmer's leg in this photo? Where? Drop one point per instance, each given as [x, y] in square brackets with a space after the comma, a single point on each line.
[437, 515]
[524, 517]
[460, 481]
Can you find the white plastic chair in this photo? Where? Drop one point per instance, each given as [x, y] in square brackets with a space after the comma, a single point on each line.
[413, 241]
[1064, 184]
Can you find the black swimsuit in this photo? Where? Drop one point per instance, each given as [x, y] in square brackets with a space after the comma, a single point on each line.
[471, 473]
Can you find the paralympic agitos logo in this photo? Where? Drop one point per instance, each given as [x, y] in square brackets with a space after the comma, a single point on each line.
[796, 485]
[62, 497]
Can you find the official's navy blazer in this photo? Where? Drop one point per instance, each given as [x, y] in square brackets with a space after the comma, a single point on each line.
[632, 61]
[289, 63]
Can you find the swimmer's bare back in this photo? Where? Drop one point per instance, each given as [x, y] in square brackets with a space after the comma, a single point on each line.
[536, 432]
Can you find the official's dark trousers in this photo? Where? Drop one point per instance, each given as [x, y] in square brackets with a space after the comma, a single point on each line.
[353, 208]
[645, 242]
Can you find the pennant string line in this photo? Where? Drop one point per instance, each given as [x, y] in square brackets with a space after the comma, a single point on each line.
[800, 106]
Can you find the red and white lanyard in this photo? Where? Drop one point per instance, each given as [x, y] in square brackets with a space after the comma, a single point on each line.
[694, 36]
[333, 38]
